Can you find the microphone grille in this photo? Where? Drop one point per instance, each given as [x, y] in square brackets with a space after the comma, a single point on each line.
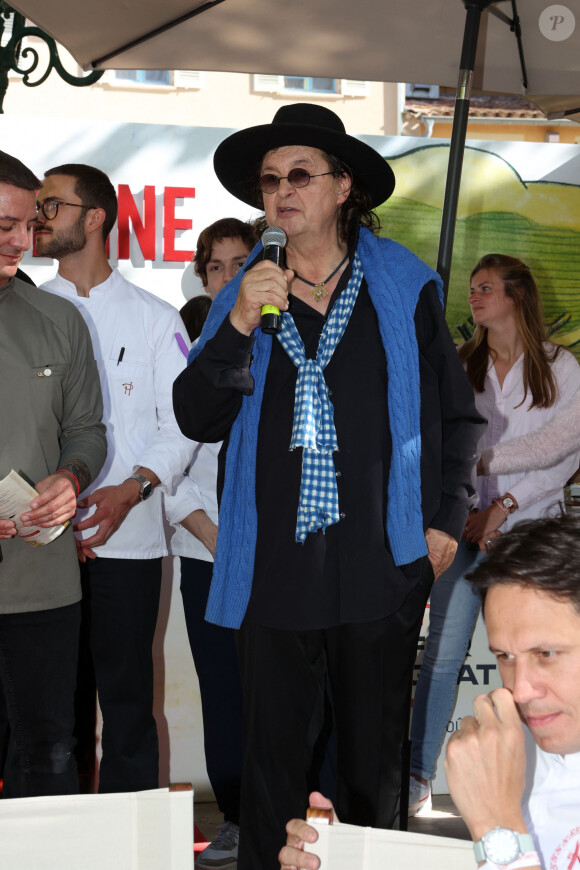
[274, 236]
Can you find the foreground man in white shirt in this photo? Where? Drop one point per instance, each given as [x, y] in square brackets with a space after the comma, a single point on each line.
[517, 786]
[123, 541]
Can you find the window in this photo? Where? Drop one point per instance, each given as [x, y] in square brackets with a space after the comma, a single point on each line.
[311, 85]
[145, 76]
[421, 92]
[273, 84]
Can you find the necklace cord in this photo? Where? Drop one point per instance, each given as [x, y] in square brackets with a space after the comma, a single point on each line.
[326, 280]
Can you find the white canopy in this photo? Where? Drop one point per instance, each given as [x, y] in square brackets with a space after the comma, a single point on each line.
[375, 40]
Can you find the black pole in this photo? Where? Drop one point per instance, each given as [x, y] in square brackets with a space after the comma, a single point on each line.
[456, 149]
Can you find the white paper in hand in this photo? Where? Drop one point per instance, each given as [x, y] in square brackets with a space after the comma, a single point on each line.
[15, 497]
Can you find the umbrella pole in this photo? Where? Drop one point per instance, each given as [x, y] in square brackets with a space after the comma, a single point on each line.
[474, 9]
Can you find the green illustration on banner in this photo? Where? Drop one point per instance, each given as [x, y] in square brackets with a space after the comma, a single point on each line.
[537, 221]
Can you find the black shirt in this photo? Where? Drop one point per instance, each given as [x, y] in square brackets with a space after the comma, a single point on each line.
[346, 574]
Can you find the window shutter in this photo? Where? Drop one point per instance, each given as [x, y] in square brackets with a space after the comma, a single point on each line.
[354, 88]
[188, 78]
[269, 84]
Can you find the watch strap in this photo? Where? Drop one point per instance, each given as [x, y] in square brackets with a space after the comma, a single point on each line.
[511, 505]
[145, 485]
[525, 842]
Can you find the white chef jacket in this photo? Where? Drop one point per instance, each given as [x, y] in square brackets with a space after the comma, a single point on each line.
[196, 491]
[551, 806]
[536, 492]
[133, 334]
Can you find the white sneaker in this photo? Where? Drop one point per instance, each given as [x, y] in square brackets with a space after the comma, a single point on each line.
[222, 852]
[419, 797]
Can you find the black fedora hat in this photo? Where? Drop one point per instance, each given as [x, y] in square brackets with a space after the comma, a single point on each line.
[237, 157]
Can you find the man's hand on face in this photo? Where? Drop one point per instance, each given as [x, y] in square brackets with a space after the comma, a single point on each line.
[485, 765]
[300, 834]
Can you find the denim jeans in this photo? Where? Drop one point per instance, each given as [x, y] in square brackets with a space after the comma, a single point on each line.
[452, 614]
[216, 662]
[38, 668]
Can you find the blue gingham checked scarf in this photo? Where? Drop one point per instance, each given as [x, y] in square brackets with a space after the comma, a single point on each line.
[395, 278]
[313, 427]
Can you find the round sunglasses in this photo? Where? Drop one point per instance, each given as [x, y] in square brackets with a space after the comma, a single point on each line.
[297, 177]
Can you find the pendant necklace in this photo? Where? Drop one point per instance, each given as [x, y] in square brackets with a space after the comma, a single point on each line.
[319, 291]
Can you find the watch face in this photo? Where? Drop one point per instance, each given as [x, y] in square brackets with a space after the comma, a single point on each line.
[508, 502]
[501, 846]
[145, 486]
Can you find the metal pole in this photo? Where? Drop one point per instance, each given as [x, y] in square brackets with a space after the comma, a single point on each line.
[456, 149]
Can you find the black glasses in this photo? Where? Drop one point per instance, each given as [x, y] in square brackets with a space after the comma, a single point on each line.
[296, 177]
[50, 207]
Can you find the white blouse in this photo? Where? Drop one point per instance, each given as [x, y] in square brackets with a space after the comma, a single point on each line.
[537, 492]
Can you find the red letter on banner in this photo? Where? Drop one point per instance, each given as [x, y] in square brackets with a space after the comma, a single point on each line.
[144, 229]
[171, 224]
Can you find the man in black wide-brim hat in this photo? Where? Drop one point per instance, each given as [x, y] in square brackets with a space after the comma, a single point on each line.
[350, 440]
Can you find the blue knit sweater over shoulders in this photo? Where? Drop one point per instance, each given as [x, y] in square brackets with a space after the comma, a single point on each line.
[395, 278]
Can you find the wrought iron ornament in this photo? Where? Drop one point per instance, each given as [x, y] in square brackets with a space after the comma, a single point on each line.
[13, 30]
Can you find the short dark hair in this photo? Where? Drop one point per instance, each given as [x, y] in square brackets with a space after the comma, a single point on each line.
[355, 211]
[94, 188]
[14, 172]
[226, 228]
[539, 554]
[194, 314]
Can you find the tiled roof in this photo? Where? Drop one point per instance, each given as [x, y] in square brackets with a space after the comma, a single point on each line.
[481, 106]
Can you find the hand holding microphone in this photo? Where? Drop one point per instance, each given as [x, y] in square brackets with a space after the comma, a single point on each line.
[264, 288]
[273, 239]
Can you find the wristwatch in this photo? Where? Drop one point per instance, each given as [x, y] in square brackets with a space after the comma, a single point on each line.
[502, 846]
[145, 486]
[508, 503]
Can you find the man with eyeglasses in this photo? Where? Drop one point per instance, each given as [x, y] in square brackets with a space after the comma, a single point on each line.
[121, 539]
[51, 433]
[351, 437]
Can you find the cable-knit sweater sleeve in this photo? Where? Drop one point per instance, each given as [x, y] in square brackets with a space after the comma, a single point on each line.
[539, 449]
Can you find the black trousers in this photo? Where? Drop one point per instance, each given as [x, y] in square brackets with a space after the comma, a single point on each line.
[38, 669]
[367, 670]
[123, 599]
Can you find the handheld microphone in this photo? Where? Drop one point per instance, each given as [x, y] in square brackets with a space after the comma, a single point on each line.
[273, 240]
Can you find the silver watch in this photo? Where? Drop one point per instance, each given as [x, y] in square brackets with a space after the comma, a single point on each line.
[502, 846]
[145, 486]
